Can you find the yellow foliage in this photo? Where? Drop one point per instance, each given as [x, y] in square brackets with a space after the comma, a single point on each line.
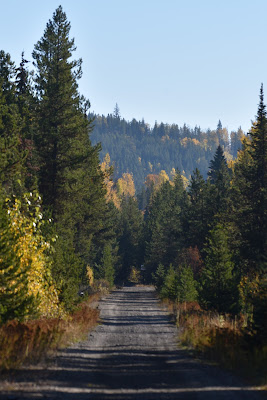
[249, 287]
[155, 181]
[185, 181]
[184, 142]
[196, 142]
[173, 173]
[111, 194]
[135, 275]
[90, 275]
[125, 185]
[163, 177]
[32, 248]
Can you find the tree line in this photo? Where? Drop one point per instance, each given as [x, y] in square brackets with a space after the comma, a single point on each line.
[143, 150]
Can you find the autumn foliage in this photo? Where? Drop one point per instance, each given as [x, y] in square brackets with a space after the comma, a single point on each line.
[30, 341]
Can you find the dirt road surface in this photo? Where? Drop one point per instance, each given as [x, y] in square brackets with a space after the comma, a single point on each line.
[131, 355]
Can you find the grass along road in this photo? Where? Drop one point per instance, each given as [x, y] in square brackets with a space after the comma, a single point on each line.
[132, 355]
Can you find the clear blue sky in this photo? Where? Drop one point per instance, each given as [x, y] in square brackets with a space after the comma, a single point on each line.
[174, 61]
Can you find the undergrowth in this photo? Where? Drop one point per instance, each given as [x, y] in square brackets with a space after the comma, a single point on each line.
[30, 341]
[222, 339]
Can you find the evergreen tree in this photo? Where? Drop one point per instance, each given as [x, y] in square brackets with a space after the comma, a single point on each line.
[69, 176]
[11, 157]
[116, 112]
[197, 213]
[219, 179]
[130, 237]
[217, 284]
[187, 286]
[165, 224]
[26, 106]
[107, 265]
[250, 195]
[62, 127]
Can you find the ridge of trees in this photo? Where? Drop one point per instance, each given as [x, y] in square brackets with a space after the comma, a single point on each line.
[136, 147]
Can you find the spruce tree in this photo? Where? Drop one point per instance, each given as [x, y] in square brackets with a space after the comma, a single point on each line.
[130, 237]
[165, 224]
[197, 213]
[219, 185]
[217, 283]
[250, 195]
[11, 156]
[26, 105]
[69, 176]
[62, 125]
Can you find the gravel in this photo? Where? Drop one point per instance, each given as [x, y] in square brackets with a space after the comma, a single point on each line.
[133, 354]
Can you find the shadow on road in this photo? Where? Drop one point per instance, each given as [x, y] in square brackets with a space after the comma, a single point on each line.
[138, 366]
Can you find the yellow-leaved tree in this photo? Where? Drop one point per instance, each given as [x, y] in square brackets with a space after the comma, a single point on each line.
[125, 185]
[107, 170]
[32, 251]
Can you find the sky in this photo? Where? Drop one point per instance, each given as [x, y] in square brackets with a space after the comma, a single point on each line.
[170, 61]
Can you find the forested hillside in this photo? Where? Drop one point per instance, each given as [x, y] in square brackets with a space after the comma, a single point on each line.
[137, 148]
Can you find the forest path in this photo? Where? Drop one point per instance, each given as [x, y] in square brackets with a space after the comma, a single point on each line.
[132, 355]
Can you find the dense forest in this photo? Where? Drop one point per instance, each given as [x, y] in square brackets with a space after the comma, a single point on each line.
[197, 227]
[136, 148]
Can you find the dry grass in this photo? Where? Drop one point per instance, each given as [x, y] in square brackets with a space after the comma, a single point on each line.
[30, 341]
[223, 339]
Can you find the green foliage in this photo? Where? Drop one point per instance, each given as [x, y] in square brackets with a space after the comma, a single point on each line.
[136, 147]
[69, 175]
[177, 284]
[67, 270]
[187, 284]
[218, 190]
[159, 277]
[164, 224]
[45, 144]
[130, 237]
[197, 211]
[217, 281]
[250, 196]
[107, 265]
[170, 287]
[11, 155]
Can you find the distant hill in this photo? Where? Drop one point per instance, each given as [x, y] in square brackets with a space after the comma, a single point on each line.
[137, 148]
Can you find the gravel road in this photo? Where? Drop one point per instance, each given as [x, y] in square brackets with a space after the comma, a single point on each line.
[132, 355]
